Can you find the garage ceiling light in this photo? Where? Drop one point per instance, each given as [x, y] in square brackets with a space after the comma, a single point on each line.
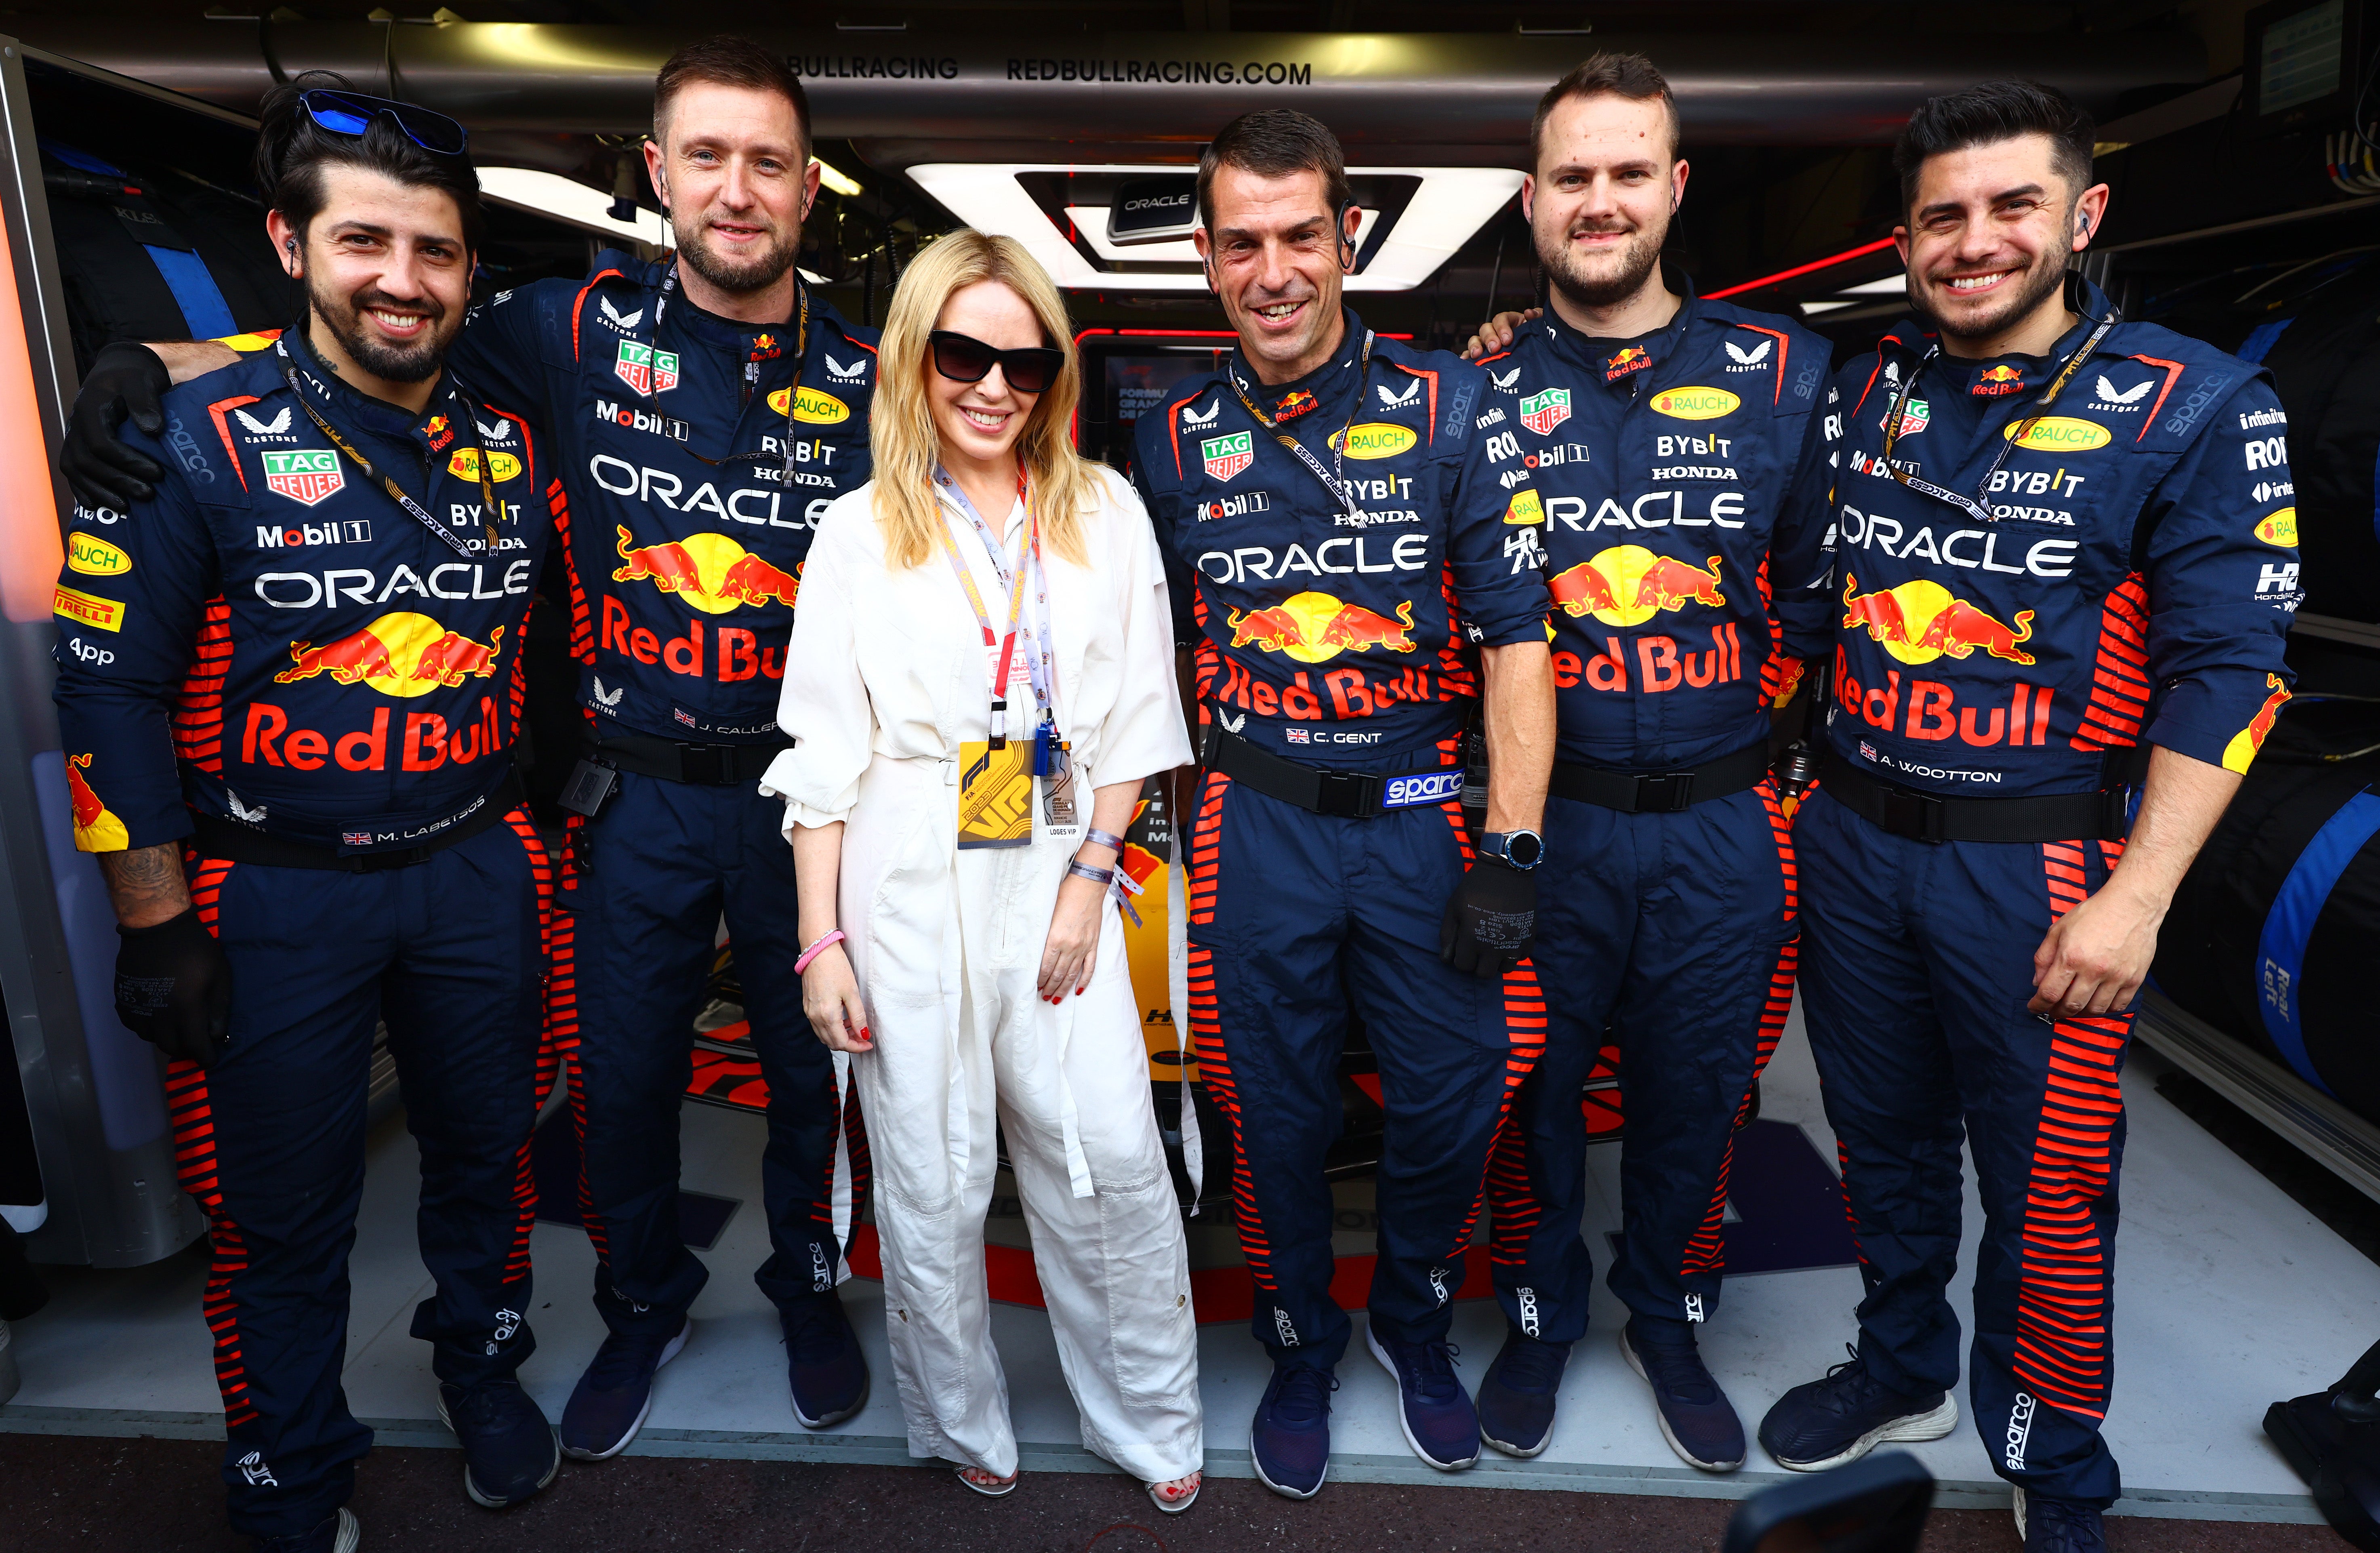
[1091, 221]
[565, 200]
[1451, 204]
[835, 180]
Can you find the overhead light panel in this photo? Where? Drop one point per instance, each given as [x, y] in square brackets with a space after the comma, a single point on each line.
[565, 200]
[830, 177]
[1451, 204]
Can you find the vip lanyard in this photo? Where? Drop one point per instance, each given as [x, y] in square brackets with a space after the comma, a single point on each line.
[751, 372]
[1027, 562]
[1336, 484]
[487, 482]
[1973, 506]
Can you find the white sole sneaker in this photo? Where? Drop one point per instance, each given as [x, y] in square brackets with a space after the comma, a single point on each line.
[1911, 1428]
[482, 1501]
[676, 1346]
[2016, 1507]
[350, 1534]
[1389, 1365]
[1257, 1461]
[1628, 1352]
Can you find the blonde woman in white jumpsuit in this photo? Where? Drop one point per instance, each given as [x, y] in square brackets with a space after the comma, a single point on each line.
[976, 983]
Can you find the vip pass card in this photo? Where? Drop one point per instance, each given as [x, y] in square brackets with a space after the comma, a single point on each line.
[995, 794]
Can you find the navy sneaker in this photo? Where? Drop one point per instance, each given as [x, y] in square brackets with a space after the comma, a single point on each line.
[1291, 1440]
[1827, 1423]
[609, 1404]
[1516, 1395]
[337, 1533]
[509, 1450]
[1431, 1404]
[823, 1364]
[2051, 1525]
[1696, 1418]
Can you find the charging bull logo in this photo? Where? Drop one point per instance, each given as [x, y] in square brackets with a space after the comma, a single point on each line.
[1628, 585]
[709, 572]
[2241, 753]
[96, 829]
[1995, 383]
[402, 655]
[1316, 627]
[1921, 621]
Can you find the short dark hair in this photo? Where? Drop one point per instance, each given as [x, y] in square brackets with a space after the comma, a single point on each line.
[1274, 143]
[1607, 75]
[1990, 112]
[292, 151]
[728, 60]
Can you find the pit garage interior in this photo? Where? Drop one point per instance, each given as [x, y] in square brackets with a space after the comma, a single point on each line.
[2240, 145]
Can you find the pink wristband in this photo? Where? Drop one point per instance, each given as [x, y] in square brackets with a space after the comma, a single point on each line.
[813, 951]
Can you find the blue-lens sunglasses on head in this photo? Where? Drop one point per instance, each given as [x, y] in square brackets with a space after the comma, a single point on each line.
[351, 113]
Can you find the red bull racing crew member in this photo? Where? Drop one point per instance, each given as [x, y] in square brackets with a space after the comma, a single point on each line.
[287, 689]
[2063, 542]
[1355, 575]
[702, 410]
[1663, 431]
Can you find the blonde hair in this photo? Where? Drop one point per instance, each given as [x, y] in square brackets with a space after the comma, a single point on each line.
[901, 424]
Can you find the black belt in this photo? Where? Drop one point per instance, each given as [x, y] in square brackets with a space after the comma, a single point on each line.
[1348, 794]
[1661, 791]
[216, 837]
[1904, 811]
[704, 765]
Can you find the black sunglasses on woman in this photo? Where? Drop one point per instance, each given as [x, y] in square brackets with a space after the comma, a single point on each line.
[965, 358]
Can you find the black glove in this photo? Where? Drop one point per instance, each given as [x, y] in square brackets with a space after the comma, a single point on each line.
[104, 471]
[1491, 921]
[172, 988]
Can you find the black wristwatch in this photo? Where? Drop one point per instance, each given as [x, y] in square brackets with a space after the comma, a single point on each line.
[1515, 849]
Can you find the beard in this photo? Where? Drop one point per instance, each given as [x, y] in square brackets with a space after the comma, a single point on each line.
[2045, 279]
[738, 278]
[416, 362]
[1619, 274]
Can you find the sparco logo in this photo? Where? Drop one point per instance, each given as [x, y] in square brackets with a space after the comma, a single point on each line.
[1528, 1300]
[508, 1323]
[1438, 1283]
[2020, 1428]
[822, 1275]
[1693, 1307]
[1282, 1329]
[252, 1467]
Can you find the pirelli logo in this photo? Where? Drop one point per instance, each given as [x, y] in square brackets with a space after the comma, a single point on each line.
[88, 609]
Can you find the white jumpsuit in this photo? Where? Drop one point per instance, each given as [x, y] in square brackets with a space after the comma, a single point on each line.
[885, 677]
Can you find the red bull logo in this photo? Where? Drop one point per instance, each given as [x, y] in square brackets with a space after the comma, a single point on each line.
[1995, 383]
[1921, 621]
[440, 432]
[707, 572]
[1316, 627]
[1296, 403]
[402, 654]
[1628, 585]
[2241, 753]
[96, 829]
[1633, 360]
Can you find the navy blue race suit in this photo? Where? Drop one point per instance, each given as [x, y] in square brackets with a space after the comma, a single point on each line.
[1667, 922]
[2130, 585]
[272, 658]
[697, 453]
[1343, 639]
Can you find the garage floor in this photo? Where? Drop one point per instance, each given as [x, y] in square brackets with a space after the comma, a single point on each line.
[2230, 1296]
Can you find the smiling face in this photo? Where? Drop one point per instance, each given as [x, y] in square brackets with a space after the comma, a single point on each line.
[1990, 232]
[732, 169]
[980, 422]
[386, 272]
[1275, 254]
[1607, 182]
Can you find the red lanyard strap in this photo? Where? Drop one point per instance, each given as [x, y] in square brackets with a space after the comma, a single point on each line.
[1017, 580]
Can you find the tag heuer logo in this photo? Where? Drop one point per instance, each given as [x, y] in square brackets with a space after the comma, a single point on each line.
[1542, 412]
[1227, 456]
[646, 369]
[303, 476]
